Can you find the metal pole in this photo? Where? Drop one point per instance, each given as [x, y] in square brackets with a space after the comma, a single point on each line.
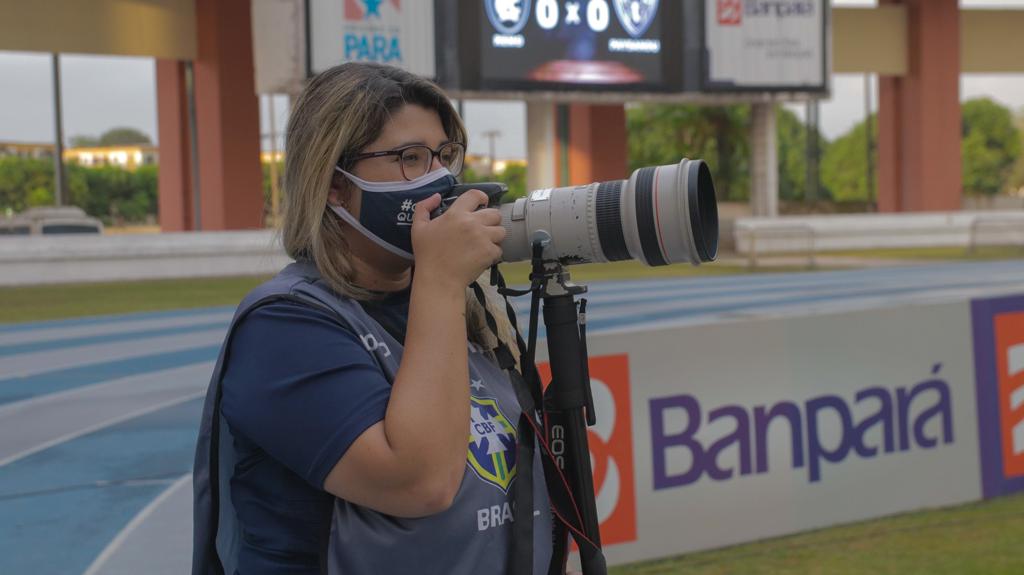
[190, 96]
[60, 195]
[813, 151]
[491, 135]
[562, 137]
[870, 139]
[275, 192]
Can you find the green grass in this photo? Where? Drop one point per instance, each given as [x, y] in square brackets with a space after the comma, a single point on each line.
[36, 303]
[945, 253]
[978, 538]
[519, 272]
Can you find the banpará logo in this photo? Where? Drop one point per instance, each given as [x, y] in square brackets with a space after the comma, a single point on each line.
[492, 443]
[611, 446]
[903, 416]
[1009, 331]
[998, 327]
[1015, 364]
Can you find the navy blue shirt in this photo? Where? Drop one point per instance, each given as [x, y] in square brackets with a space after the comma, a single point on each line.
[298, 389]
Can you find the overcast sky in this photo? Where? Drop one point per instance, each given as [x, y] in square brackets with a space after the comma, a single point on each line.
[101, 92]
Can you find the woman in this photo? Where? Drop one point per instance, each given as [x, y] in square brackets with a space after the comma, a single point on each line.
[334, 438]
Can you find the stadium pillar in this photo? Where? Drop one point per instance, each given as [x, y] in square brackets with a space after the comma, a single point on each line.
[175, 176]
[227, 126]
[919, 115]
[764, 162]
[541, 146]
[597, 148]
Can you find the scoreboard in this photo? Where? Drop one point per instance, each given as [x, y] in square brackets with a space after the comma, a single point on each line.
[567, 49]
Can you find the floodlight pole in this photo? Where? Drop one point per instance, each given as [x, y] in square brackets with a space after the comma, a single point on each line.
[872, 201]
[275, 192]
[491, 135]
[60, 186]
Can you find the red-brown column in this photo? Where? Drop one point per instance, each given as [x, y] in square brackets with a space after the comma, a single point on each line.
[175, 179]
[890, 161]
[227, 117]
[919, 115]
[597, 143]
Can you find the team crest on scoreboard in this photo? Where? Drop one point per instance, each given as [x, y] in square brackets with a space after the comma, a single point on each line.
[508, 17]
[492, 444]
[636, 15]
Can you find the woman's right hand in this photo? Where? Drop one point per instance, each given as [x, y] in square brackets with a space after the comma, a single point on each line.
[461, 243]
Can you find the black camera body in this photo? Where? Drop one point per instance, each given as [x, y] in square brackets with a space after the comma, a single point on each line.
[494, 191]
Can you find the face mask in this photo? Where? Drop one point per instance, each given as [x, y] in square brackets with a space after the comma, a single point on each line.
[385, 216]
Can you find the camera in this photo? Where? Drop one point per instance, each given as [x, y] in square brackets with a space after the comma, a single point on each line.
[660, 215]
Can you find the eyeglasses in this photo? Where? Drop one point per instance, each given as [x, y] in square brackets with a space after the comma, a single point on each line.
[415, 160]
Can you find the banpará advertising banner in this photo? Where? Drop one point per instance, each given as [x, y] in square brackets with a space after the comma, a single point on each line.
[766, 45]
[396, 32]
[719, 434]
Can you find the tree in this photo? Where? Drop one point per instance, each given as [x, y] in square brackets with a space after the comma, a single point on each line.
[990, 145]
[1017, 173]
[792, 152]
[844, 166]
[123, 137]
[28, 182]
[664, 133]
[115, 195]
[110, 193]
[513, 176]
[84, 141]
[25, 182]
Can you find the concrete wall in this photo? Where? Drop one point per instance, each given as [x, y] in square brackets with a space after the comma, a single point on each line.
[79, 258]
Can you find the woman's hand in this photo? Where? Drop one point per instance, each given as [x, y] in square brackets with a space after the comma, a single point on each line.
[460, 244]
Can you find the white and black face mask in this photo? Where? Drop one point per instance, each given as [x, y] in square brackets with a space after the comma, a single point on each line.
[385, 214]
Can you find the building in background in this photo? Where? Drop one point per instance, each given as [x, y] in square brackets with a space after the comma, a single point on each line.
[126, 157]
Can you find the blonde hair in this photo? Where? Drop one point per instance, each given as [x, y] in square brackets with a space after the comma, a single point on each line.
[341, 111]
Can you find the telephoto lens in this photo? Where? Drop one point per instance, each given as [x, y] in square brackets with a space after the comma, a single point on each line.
[661, 215]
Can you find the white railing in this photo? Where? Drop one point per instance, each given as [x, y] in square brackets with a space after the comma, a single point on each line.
[878, 231]
[996, 230]
[794, 234]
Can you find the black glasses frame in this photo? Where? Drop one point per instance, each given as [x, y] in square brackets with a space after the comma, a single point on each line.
[351, 160]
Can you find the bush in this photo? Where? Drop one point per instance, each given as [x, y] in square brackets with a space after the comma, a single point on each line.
[112, 194]
[514, 177]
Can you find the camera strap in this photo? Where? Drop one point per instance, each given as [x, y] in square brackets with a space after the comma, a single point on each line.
[532, 432]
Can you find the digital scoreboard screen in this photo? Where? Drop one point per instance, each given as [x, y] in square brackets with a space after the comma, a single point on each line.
[609, 45]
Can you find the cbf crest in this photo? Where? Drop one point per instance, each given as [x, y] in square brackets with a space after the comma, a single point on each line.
[492, 444]
[636, 15]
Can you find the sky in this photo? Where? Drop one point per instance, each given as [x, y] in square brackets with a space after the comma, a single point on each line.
[101, 92]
